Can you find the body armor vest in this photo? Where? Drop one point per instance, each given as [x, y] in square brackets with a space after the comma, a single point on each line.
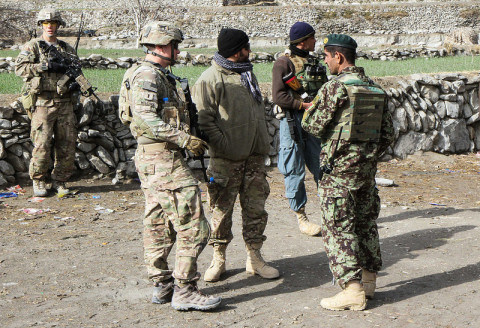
[311, 74]
[50, 80]
[171, 108]
[361, 117]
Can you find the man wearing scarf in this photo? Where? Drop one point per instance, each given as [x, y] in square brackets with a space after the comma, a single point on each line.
[297, 147]
[231, 113]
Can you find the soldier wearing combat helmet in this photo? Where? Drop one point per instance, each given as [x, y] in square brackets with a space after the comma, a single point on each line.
[49, 103]
[350, 116]
[150, 105]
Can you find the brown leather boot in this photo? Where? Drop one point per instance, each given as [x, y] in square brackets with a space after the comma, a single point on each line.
[351, 298]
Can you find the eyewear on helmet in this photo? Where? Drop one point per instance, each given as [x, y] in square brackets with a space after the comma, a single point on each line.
[52, 23]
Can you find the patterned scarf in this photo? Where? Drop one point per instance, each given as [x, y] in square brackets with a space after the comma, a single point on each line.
[246, 76]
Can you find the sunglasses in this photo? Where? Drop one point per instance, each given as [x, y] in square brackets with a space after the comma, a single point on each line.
[52, 23]
[247, 47]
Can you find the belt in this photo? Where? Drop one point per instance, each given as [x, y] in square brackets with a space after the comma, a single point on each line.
[159, 146]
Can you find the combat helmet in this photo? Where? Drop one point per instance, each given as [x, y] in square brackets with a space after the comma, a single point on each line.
[160, 33]
[50, 14]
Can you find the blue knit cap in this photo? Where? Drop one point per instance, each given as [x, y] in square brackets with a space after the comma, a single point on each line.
[300, 31]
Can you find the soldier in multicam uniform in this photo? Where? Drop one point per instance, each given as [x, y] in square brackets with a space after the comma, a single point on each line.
[149, 102]
[350, 115]
[49, 105]
[297, 148]
[231, 113]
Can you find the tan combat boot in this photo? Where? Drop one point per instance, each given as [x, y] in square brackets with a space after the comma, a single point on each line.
[306, 227]
[351, 298]
[217, 267]
[39, 189]
[369, 281]
[256, 264]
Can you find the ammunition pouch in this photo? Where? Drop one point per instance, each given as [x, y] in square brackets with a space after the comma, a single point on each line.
[28, 101]
[62, 85]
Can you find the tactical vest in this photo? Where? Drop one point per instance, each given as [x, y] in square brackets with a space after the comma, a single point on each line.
[360, 119]
[171, 108]
[311, 74]
[49, 81]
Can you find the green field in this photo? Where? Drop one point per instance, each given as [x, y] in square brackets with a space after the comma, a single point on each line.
[109, 80]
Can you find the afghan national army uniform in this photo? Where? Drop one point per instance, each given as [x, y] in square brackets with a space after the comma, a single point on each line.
[350, 115]
[149, 102]
[50, 104]
[297, 148]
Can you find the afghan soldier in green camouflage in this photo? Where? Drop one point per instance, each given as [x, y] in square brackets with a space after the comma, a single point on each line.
[49, 104]
[350, 115]
[149, 102]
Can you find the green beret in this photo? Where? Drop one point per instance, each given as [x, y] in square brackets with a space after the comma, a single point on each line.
[340, 40]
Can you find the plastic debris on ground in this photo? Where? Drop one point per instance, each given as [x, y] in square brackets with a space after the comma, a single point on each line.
[436, 204]
[36, 199]
[33, 211]
[17, 189]
[64, 218]
[96, 197]
[8, 194]
[103, 210]
[384, 182]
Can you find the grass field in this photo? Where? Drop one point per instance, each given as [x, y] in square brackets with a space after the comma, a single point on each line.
[109, 80]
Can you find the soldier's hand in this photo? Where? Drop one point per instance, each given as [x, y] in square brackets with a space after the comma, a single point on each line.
[56, 67]
[196, 145]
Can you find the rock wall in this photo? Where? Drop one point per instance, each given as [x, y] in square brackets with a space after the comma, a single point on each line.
[96, 61]
[437, 112]
[203, 19]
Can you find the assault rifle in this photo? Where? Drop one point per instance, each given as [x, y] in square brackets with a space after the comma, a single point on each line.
[80, 28]
[73, 79]
[192, 113]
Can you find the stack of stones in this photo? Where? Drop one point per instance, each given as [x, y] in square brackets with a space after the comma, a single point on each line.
[15, 145]
[430, 113]
[96, 61]
[435, 113]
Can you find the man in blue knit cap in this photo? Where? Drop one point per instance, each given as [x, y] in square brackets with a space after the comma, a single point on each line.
[296, 78]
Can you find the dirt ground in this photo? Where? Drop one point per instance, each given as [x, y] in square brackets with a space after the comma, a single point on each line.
[79, 263]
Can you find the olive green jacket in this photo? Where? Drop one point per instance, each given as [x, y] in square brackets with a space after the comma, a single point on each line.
[229, 115]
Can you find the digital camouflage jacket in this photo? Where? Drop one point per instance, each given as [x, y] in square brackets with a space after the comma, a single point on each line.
[354, 163]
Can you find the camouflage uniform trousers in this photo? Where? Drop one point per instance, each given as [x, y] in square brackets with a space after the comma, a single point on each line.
[170, 215]
[248, 179]
[59, 121]
[350, 232]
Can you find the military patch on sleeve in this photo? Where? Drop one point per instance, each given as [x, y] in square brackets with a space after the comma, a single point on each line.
[24, 53]
[149, 86]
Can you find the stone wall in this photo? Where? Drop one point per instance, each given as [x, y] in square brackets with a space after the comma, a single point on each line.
[437, 112]
[96, 61]
[204, 19]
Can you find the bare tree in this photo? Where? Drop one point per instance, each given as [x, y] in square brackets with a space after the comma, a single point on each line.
[140, 10]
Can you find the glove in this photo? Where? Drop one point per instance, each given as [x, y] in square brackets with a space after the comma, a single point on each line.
[56, 67]
[278, 112]
[196, 145]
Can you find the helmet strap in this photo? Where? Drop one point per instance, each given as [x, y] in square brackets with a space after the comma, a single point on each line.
[171, 60]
